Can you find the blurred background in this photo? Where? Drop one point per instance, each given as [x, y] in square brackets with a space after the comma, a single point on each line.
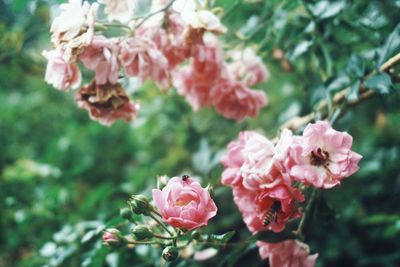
[62, 175]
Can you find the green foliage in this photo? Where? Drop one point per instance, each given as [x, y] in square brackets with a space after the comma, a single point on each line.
[63, 177]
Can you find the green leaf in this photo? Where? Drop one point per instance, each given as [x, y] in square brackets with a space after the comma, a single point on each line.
[391, 46]
[339, 83]
[354, 90]
[221, 239]
[380, 83]
[355, 67]
[327, 9]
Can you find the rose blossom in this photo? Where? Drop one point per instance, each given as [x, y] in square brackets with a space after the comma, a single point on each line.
[59, 73]
[106, 103]
[254, 206]
[101, 56]
[120, 10]
[248, 67]
[183, 203]
[323, 157]
[170, 40]
[196, 81]
[234, 159]
[289, 253]
[140, 57]
[236, 101]
[73, 29]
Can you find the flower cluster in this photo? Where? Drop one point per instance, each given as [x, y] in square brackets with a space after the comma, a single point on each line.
[181, 207]
[155, 48]
[263, 176]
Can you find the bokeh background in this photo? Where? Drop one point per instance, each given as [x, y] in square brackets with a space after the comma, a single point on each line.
[62, 176]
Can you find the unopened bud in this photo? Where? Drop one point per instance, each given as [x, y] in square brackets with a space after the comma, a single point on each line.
[170, 253]
[126, 213]
[140, 204]
[112, 237]
[142, 232]
[196, 235]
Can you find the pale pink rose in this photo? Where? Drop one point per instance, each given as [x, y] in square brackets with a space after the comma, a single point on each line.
[183, 203]
[289, 253]
[73, 29]
[120, 10]
[141, 58]
[106, 103]
[236, 101]
[248, 67]
[101, 57]
[323, 157]
[234, 159]
[281, 200]
[60, 73]
[257, 168]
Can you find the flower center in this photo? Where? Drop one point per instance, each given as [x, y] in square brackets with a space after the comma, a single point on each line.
[319, 157]
[182, 202]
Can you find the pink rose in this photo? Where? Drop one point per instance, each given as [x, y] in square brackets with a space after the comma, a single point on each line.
[60, 73]
[234, 159]
[170, 40]
[101, 57]
[278, 203]
[323, 157]
[183, 203]
[248, 67]
[106, 103]
[196, 81]
[257, 168]
[289, 253]
[140, 57]
[236, 101]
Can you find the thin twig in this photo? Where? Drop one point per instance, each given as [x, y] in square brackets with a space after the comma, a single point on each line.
[154, 13]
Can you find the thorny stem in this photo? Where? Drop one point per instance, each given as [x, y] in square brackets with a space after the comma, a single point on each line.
[154, 13]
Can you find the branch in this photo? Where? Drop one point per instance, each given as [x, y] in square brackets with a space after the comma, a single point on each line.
[339, 98]
[154, 13]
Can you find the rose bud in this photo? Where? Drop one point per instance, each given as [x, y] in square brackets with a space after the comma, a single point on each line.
[170, 253]
[112, 237]
[141, 232]
[126, 213]
[140, 204]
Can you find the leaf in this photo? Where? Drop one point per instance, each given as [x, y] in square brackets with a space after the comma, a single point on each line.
[300, 49]
[380, 83]
[339, 83]
[89, 235]
[355, 67]
[327, 9]
[391, 46]
[221, 239]
[352, 95]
